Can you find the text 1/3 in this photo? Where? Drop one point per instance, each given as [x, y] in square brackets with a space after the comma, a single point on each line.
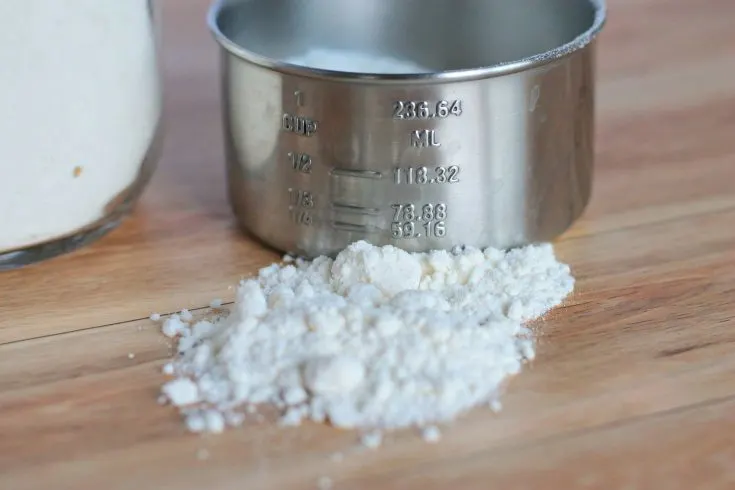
[300, 199]
[426, 175]
[410, 110]
[300, 162]
[410, 221]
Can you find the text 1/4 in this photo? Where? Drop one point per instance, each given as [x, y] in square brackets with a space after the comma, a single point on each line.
[301, 218]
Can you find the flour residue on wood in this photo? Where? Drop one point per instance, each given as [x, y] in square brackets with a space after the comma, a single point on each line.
[374, 340]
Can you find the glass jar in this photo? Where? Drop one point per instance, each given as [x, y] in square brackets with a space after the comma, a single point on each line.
[80, 112]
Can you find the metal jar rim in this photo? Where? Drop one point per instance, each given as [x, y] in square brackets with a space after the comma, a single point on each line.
[497, 70]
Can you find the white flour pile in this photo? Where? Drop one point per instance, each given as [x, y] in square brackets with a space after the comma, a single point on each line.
[376, 339]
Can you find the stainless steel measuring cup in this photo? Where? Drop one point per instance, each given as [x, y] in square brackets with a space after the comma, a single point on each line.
[490, 145]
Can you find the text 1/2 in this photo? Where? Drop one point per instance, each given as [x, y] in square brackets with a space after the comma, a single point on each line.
[300, 162]
[411, 110]
[410, 221]
[426, 175]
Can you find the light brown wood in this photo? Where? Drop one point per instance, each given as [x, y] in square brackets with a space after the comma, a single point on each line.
[634, 384]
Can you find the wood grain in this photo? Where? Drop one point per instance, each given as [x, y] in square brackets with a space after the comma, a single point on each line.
[634, 384]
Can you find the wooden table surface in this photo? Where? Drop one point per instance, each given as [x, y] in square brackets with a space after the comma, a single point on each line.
[634, 383]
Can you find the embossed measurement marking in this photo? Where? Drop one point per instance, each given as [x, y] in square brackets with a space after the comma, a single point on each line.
[425, 138]
[408, 221]
[349, 208]
[354, 228]
[410, 110]
[301, 203]
[303, 218]
[426, 175]
[346, 211]
[300, 199]
[303, 126]
[300, 162]
[358, 174]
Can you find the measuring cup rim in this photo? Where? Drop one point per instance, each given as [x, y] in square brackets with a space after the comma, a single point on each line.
[577, 44]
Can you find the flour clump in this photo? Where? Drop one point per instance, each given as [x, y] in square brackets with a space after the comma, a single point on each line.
[376, 339]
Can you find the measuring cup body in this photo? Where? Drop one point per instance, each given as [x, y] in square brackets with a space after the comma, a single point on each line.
[316, 162]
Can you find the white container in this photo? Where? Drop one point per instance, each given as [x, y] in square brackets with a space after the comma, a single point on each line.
[80, 107]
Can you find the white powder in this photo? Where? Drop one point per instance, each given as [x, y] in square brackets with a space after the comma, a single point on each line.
[186, 315]
[354, 62]
[372, 440]
[79, 105]
[431, 434]
[325, 483]
[181, 392]
[175, 325]
[376, 339]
